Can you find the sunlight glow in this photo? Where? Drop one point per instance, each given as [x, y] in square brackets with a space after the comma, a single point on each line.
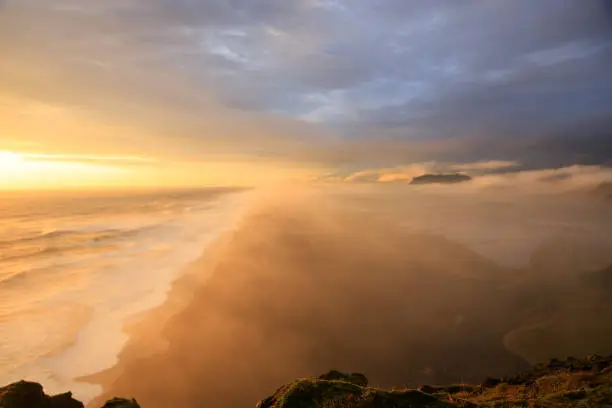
[20, 171]
[44, 171]
[10, 161]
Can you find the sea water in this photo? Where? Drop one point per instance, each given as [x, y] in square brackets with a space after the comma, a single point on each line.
[75, 267]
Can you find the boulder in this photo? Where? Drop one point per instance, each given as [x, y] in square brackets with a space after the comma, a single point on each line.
[121, 403]
[335, 389]
[24, 394]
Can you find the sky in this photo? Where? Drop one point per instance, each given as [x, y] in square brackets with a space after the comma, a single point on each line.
[243, 92]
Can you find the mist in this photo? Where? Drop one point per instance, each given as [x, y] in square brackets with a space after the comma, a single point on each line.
[406, 285]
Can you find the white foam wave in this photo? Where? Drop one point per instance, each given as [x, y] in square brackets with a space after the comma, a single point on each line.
[111, 287]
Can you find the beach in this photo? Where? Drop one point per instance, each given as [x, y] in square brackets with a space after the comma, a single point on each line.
[76, 268]
[312, 283]
[254, 289]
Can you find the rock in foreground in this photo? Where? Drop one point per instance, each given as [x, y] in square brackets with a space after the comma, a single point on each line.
[556, 384]
[24, 394]
[344, 390]
[585, 383]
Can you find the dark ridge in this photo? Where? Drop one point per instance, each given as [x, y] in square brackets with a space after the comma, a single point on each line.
[440, 178]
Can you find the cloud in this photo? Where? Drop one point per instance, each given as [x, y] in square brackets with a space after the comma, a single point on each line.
[486, 175]
[334, 84]
[109, 160]
[566, 179]
[484, 165]
[401, 173]
[408, 172]
[555, 177]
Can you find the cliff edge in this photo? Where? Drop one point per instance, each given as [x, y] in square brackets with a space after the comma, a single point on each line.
[585, 383]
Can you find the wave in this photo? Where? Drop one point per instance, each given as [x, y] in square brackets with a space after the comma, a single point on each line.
[115, 267]
[30, 251]
[82, 235]
[60, 241]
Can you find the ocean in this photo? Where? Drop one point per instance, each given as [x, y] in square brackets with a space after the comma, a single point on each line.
[74, 268]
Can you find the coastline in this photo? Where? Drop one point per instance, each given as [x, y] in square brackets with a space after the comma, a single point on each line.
[277, 299]
[76, 271]
[145, 329]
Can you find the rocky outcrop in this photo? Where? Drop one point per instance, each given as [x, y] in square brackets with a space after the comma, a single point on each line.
[322, 393]
[440, 178]
[336, 389]
[24, 394]
[353, 378]
[29, 394]
[554, 384]
[121, 403]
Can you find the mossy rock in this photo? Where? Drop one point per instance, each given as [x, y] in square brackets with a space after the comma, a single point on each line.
[341, 393]
[121, 403]
[353, 378]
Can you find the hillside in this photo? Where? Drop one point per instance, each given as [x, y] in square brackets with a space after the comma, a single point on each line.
[556, 384]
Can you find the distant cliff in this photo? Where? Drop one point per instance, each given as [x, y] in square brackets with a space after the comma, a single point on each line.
[555, 384]
[440, 178]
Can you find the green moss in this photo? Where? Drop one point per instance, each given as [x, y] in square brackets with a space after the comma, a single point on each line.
[555, 384]
[315, 393]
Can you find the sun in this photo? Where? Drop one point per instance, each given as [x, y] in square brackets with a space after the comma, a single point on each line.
[34, 171]
[11, 161]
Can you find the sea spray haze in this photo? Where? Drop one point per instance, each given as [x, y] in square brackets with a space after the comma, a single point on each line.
[438, 208]
[435, 285]
[74, 267]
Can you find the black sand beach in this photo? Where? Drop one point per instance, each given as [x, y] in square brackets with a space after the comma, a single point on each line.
[296, 291]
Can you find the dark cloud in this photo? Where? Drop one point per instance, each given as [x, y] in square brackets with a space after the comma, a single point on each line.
[493, 78]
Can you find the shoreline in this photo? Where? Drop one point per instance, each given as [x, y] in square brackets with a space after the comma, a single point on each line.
[73, 370]
[146, 327]
[282, 301]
